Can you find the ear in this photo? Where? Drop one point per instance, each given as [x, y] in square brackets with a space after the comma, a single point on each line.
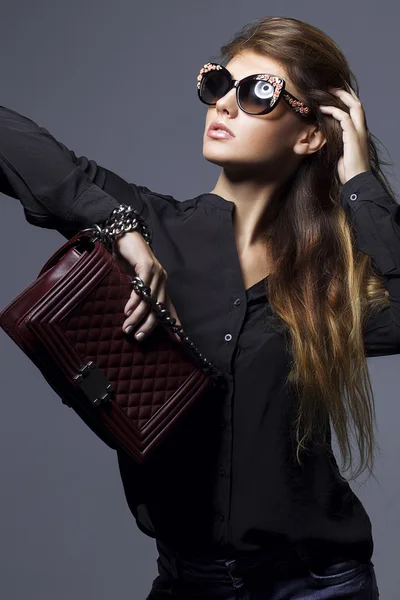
[309, 140]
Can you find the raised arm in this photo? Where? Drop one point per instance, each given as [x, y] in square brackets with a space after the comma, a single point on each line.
[376, 218]
[57, 189]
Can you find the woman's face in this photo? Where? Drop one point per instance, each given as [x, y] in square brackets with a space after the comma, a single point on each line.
[261, 142]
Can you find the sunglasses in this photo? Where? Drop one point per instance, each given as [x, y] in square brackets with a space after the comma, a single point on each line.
[255, 94]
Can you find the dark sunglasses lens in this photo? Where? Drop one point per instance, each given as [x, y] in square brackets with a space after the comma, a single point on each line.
[214, 85]
[256, 95]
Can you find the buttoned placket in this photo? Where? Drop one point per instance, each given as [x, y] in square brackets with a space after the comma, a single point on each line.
[236, 310]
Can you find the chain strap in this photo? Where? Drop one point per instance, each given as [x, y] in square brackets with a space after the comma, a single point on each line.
[164, 316]
[123, 219]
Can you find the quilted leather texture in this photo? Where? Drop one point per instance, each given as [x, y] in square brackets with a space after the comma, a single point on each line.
[135, 393]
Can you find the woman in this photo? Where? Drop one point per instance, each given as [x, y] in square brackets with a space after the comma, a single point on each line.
[286, 276]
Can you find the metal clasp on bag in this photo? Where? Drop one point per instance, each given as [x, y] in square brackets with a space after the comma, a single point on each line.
[94, 384]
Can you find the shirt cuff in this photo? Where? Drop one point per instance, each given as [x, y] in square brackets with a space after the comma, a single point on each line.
[364, 186]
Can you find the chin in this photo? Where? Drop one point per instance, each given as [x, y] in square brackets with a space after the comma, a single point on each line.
[219, 156]
[224, 159]
[234, 166]
[218, 160]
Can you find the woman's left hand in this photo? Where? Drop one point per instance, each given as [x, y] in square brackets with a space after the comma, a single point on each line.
[355, 157]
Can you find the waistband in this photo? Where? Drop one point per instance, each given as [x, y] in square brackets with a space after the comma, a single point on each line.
[194, 569]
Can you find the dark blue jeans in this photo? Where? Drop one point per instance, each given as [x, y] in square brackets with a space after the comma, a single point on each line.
[231, 579]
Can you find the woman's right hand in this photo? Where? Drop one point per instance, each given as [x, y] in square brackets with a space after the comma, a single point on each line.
[135, 257]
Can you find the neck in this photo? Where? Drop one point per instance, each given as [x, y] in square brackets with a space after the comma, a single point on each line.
[256, 208]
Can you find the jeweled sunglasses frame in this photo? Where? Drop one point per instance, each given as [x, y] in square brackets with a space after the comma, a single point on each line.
[278, 82]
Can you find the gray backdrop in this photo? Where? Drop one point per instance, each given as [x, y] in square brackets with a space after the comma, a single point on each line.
[99, 77]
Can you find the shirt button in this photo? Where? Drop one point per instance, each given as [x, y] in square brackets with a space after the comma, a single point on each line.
[221, 517]
[353, 197]
[228, 337]
[221, 470]
[237, 302]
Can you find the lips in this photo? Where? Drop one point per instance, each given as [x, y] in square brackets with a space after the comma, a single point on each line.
[218, 125]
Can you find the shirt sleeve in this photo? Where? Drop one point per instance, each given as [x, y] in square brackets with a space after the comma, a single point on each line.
[57, 189]
[376, 218]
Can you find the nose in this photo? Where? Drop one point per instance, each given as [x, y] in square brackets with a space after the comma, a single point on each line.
[228, 102]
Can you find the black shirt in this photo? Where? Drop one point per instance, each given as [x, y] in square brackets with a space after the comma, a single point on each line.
[227, 482]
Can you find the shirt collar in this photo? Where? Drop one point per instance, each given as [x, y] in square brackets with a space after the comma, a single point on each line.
[218, 201]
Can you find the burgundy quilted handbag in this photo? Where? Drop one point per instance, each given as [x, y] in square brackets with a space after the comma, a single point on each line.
[69, 323]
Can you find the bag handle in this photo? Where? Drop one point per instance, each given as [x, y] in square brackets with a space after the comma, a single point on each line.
[74, 241]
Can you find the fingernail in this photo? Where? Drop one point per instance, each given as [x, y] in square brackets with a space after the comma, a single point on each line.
[139, 335]
[129, 313]
[129, 329]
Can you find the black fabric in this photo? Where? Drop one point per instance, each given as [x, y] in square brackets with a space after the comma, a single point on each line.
[256, 579]
[227, 484]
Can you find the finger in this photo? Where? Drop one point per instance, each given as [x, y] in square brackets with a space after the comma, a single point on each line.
[133, 302]
[164, 299]
[343, 92]
[356, 109]
[344, 119]
[134, 298]
[147, 323]
[345, 86]
[352, 92]
[151, 319]
[147, 326]
[137, 319]
[149, 277]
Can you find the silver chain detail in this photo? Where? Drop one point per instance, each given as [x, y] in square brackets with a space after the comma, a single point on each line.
[123, 219]
[164, 316]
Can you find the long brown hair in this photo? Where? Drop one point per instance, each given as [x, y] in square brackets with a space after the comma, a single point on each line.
[322, 287]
